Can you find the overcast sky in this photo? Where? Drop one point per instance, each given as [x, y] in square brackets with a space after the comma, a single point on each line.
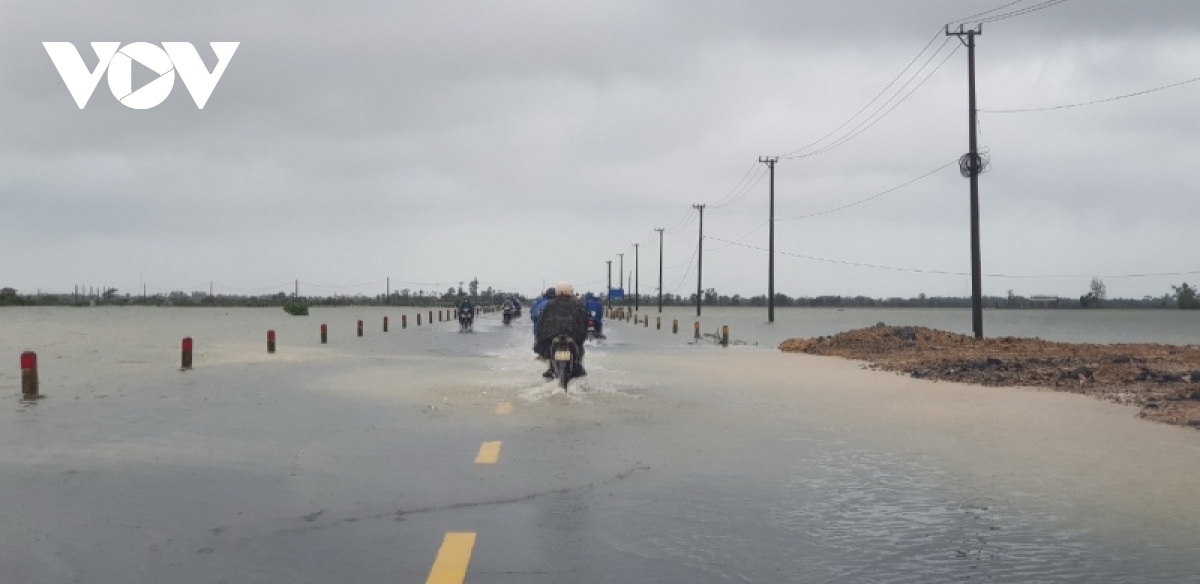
[518, 142]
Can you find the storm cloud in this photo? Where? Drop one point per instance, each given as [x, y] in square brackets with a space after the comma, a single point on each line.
[519, 142]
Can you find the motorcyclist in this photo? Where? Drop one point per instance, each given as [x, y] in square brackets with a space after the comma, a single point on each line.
[562, 315]
[466, 310]
[535, 312]
[595, 311]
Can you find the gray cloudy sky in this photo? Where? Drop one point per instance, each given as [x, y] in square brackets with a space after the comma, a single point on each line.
[522, 141]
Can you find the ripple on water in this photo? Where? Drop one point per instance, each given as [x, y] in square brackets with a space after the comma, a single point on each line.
[844, 516]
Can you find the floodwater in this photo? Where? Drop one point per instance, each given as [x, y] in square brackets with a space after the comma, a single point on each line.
[672, 462]
[1176, 327]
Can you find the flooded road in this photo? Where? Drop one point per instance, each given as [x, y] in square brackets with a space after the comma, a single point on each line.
[368, 460]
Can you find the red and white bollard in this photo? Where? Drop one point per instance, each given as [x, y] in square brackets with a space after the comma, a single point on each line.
[324, 334]
[187, 354]
[360, 328]
[29, 375]
[385, 324]
[270, 341]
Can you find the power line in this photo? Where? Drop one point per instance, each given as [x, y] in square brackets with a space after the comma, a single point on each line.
[873, 99]
[971, 17]
[872, 197]
[868, 123]
[753, 167]
[1093, 102]
[686, 273]
[752, 232]
[749, 188]
[691, 219]
[1021, 11]
[950, 273]
[876, 116]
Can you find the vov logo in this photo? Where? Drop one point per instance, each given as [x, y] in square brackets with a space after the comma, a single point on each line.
[118, 61]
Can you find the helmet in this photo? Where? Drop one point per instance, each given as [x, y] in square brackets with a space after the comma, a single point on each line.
[549, 293]
[564, 288]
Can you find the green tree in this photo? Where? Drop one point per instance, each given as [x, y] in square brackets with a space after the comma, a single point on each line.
[1185, 295]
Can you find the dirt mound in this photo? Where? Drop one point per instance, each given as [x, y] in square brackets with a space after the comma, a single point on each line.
[1164, 380]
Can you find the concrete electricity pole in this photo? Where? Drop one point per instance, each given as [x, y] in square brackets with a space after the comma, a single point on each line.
[699, 259]
[971, 165]
[660, 265]
[637, 276]
[621, 274]
[608, 296]
[770, 162]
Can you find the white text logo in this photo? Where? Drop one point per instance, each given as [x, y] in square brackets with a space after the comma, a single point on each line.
[118, 61]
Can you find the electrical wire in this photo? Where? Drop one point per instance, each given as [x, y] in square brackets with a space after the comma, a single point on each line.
[1021, 11]
[749, 188]
[1093, 102]
[691, 264]
[868, 123]
[949, 273]
[872, 197]
[873, 99]
[753, 166]
[752, 232]
[973, 16]
[691, 219]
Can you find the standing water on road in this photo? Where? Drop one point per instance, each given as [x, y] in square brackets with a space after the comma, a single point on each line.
[669, 462]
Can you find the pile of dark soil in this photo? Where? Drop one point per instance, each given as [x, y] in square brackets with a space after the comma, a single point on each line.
[1163, 380]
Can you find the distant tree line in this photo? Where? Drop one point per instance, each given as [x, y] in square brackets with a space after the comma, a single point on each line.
[405, 297]
[1182, 296]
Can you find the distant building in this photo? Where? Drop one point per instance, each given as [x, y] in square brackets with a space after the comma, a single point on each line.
[1044, 301]
[7, 292]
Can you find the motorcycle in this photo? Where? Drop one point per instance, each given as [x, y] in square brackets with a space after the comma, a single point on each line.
[592, 333]
[466, 322]
[508, 315]
[564, 357]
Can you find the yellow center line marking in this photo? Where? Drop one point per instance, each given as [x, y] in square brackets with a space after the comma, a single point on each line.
[450, 567]
[488, 453]
[504, 408]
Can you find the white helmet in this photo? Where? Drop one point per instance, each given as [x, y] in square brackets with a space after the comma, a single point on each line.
[564, 288]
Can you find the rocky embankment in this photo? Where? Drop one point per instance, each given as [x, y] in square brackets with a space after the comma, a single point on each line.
[1163, 380]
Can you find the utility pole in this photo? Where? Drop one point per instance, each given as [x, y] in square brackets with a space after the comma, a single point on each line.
[660, 266]
[770, 162]
[608, 296]
[210, 289]
[699, 259]
[637, 276]
[387, 294]
[296, 294]
[621, 274]
[971, 165]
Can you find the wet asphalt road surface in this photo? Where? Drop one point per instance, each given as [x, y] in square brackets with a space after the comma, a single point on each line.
[370, 465]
